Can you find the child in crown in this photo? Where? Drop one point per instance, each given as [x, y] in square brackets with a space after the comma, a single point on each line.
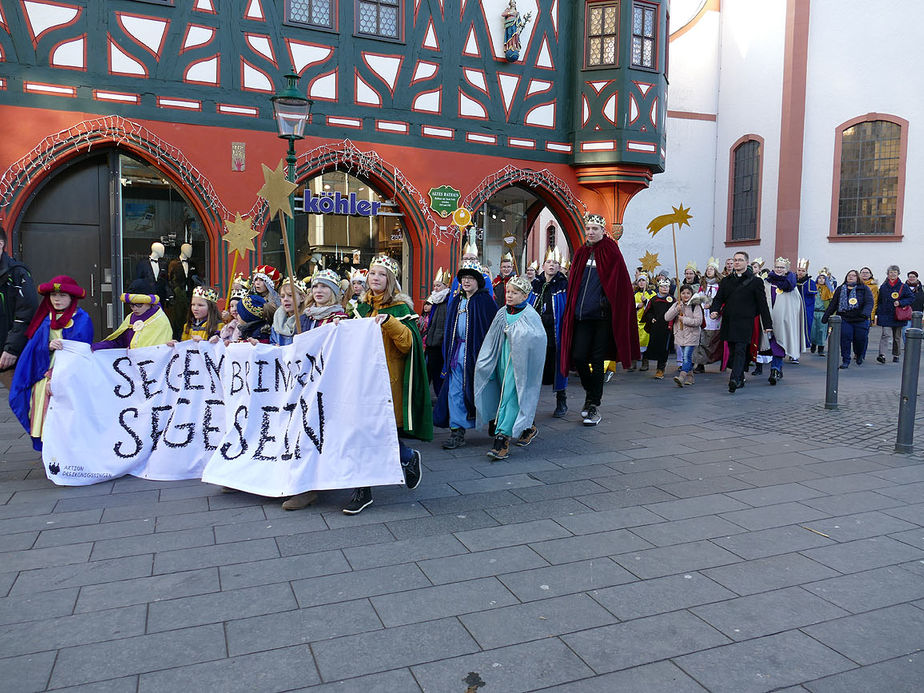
[203, 320]
[57, 318]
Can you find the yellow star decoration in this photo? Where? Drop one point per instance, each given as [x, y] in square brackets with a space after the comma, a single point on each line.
[649, 262]
[680, 216]
[239, 235]
[276, 190]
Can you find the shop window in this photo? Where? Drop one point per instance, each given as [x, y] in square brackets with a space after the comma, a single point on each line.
[315, 13]
[745, 175]
[601, 41]
[644, 28]
[869, 176]
[379, 18]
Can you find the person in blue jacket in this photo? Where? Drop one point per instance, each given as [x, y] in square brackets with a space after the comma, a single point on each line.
[58, 317]
[549, 298]
[893, 294]
[853, 301]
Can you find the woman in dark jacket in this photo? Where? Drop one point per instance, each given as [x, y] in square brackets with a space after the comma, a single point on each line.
[892, 294]
[853, 301]
[436, 326]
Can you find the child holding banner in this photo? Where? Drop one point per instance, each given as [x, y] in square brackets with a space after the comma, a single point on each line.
[231, 330]
[146, 325]
[293, 303]
[407, 369]
[253, 327]
[57, 318]
[203, 320]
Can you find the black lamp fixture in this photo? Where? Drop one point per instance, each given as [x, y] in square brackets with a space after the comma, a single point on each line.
[291, 110]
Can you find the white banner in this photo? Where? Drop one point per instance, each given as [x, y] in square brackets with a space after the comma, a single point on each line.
[275, 421]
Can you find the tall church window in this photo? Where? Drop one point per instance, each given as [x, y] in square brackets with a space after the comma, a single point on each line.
[744, 212]
[318, 13]
[378, 18]
[602, 22]
[644, 26]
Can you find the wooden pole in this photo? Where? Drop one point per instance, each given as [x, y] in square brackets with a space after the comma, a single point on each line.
[285, 245]
[676, 266]
[231, 280]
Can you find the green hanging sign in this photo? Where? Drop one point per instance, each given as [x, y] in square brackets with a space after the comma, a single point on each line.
[444, 200]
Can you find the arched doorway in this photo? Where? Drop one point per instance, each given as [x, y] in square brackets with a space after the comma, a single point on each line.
[95, 218]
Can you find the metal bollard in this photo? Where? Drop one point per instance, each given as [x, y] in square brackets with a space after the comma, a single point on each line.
[834, 355]
[916, 319]
[904, 438]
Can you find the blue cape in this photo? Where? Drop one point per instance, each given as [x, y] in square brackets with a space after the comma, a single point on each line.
[35, 360]
[481, 311]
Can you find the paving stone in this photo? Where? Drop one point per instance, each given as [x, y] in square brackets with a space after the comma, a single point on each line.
[774, 477]
[872, 589]
[387, 682]
[194, 491]
[72, 494]
[863, 554]
[79, 574]
[899, 675]
[383, 513]
[44, 520]
[590, 522]
[278, 670]
[73, 535]
[367, 653]
[849, 503]
[703, 487]
[589, 546]
[171, 614]
[6, 582]
[313, 542]
[773, 495]
[911, 513]
[104, 501]
[511, 466]
[838, 452]
[770, 542]
[481, 564]
[38, 558]
[55, 633]
[557, 475]
[430, 603]
[511, 535]
[146, 589]
[874, 636]
[626, 499]
[17, 542]
[847, 483]
[903, 475]
[472, 501]
[514, 669]
[125, 684]
[763, 664]
[914, 537]
[272, 527]
[771, 573]
[776, 461]
[643, 640]
[97, 662]
[357, 584]
[404, 551]
[682, 531]
[300, 626]
[35, 607]
[675, 559]
[544, 583]
[440, 524]
[693, 507]
[630, 466]
[859, 526]
[221, 554]
[27, 673]
[209, 518]
[536, 620]
[526, 512]
[726, 467]
[267, 572]
[660, 595]
[498, 483]
[580, 488]
[153, 543]
[910, 493]
[660, 677]
[773, 516]
[159, 509]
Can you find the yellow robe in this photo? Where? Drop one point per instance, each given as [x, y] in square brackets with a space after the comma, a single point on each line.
[153, 331]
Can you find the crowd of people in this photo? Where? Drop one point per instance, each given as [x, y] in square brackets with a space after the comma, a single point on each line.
[481, 349]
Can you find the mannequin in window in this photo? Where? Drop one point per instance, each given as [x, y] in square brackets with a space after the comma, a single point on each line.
[182, 278]
[153, 270]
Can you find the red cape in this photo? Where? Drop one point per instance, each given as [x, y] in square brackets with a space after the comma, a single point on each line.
[618, 289]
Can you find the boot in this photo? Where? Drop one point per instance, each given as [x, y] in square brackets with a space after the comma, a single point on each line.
[659, 374]
[644, 366]
[814, 347]
[680, 379]
[299, 501]
[758, 369]
[701, 368]
[501, 449]
[690, 379]
[561, 404]
[775, 375]
[362, 498]
[456, 439]
[821, 350]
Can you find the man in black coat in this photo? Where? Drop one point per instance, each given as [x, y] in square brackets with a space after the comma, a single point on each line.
[739, 300]
[19, 301]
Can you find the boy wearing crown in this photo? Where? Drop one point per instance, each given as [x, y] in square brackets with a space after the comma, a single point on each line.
[549, 296]
[436, 327]
[145, 325]
[57, 318]
[505, 274]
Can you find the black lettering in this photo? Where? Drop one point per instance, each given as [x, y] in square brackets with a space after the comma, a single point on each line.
[240, 435]
[155, 423]
[259, 387]
[213, 370]
[188, 373]
[311, 368]
[131, 383]
[316, 438]
[291, 407]
[237, 382]
[117, 448]
[170, 363]
[207, 426]
[301, 378]
[145, 381]
[190, 427]
[265, 437]
[283, 373]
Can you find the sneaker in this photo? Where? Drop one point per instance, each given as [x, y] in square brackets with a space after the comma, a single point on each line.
[585, 408]
[362, 499]
[501, 449]
[758, 369]
[526, 437]
[456, 439]
[732, 385]
[609, 376]
[659, 374]
[644, 366]
[859, 360]
[894, 359]
[880, 358]
[593, 417]
[412, 471]
[844, 366]
[821, 351]
[813, 348]
[301, 500]
[795, 361]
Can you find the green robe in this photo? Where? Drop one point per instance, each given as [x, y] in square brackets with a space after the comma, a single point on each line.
[418, 411]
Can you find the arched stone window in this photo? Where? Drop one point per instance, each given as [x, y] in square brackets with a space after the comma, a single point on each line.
[744, 188]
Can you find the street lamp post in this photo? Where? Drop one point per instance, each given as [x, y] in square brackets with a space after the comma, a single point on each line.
[291, 111]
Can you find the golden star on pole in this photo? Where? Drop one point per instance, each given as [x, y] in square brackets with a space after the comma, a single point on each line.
[239, 235]
[649, 262]
[680, 216]
[276, 190]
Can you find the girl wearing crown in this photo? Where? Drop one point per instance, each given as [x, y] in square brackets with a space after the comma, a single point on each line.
[145, 325]
[436, 327]
[407, 369]
[57, 318]
[467, 322]
[203, 320]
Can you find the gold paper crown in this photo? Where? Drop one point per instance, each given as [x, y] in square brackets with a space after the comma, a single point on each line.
[471, 248]
[442, 276]
[803, 264]
[594, 219]
[507, 257]
[553, 254]
[759, 261]
[534, 265]
[781, 261]
[207, 293]
[238, 294]
[825, 271]
[299, 284]
[358, 275]
[388, 263]
[692, 265]
[714, 262]
[521, 284]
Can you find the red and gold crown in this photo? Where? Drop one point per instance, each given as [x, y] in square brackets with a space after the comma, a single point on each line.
[207, 293]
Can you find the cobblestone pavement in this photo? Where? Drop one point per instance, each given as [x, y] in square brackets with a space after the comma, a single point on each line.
[695, 540]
